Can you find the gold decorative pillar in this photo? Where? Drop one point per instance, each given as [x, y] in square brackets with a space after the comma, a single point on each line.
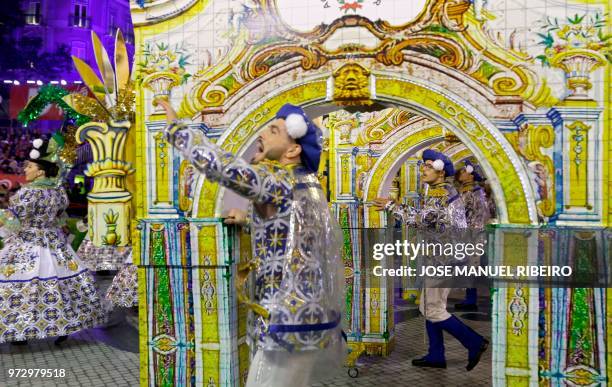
[578, 139]
[109, 200]
[516, 309]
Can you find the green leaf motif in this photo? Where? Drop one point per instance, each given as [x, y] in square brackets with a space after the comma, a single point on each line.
[547, 40]
[577, 19]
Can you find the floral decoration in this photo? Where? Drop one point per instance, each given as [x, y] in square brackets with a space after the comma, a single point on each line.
[577, 32]
[160, 57]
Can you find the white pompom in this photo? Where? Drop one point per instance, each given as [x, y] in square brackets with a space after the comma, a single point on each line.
[37, 143]
[34, 154]
[469, 169]
[296, 126]
[438, 165]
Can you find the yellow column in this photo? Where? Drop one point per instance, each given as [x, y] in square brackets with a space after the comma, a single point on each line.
[109, 200]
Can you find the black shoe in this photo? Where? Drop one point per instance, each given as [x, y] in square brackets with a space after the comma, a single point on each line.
[60, 340]
[19, 343]
[476, 359]
[423, 362]
[466, 307]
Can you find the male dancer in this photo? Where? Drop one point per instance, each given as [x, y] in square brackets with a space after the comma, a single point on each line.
[296, 245]
[476, 215]
[442, 209]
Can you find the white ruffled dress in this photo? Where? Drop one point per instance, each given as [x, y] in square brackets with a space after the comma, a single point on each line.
[45, 290]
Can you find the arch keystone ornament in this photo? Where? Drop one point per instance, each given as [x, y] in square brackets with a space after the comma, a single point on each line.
[352, 85]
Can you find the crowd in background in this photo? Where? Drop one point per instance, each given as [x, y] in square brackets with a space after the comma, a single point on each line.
[6, 193]
[15, 145]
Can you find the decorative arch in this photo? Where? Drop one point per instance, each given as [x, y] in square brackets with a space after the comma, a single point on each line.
[390, 161]
[498, 159]
[459, 155]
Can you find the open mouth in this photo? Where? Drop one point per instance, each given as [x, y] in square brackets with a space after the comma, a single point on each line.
[260, 146]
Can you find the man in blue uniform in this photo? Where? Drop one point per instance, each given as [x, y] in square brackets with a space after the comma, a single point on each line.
[441, 210]
[476, 215]
[296, 245]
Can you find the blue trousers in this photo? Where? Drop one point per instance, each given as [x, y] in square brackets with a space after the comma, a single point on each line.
[466, 336]
[471, 296]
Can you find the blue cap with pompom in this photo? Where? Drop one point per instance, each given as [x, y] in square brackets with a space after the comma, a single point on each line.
[445, 163]
[304, 132]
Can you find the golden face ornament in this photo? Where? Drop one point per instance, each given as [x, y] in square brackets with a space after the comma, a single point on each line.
[351, 85]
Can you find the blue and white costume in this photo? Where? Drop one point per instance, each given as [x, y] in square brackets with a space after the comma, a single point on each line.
[45, 290]
[442, 210]
[477, 216]
[296, 254]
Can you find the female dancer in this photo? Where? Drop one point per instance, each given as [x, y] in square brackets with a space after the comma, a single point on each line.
[44, 289]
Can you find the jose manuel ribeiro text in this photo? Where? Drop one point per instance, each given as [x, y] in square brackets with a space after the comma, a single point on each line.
[459, 251]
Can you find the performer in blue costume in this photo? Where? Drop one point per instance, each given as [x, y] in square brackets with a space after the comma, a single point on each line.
[45, 290]
[476, 215]
[296, 245]
[441, 210]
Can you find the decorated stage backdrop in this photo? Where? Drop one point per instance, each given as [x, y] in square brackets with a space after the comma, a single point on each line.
[520, 87]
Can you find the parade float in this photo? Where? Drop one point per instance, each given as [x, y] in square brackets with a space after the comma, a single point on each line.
[385, 86]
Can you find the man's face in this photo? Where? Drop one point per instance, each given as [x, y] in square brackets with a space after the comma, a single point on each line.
[429, 174]
[274, 141]
[464, 176]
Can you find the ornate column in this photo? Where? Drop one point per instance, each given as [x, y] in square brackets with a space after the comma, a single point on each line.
[578, 46]
[341, 173]
[409, 190]
[578, 160]
[162, 167]
[109, 200]
[515, 310]
[369, 299]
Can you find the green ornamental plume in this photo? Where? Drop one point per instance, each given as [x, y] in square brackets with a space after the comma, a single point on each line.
[50, 94]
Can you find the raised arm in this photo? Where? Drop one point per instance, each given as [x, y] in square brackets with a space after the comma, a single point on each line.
[262, 183]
